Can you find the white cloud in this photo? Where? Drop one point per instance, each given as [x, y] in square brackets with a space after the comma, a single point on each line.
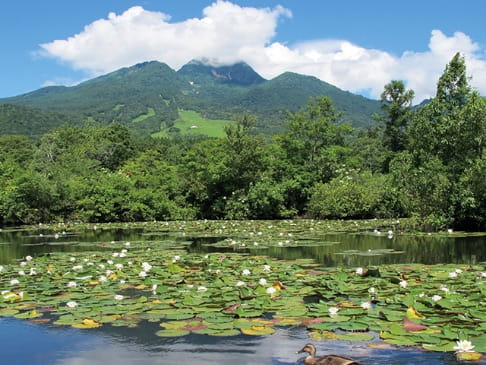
[230, 33]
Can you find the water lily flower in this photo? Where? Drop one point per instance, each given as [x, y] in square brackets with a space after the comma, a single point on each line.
[146, 266]
[72, 259]
[483, 274]
[240, 283]
[122, 281]
[246, 272]
[154, 288]
[445, 289]
[458, 271]
[72, 304]
[119, 266]
[436, 298]
[421, 295]
[359, 271]
[102, 279]
[118, 297]
[124, 250]
[1, 268]
[23, 264]
[28, 258]
[127, 244]
[201, 288]
[464, 346]
[267, 268]
[78, 267]
[32, 271]
[122, 254]
[333, 311]
[372, 290]
[142, 274]
[21, 272]
[453, 275]
[262, 282]
[72, 284]
[271, 290]
[14, 282]
[255, 243]
[403, 283]
[280, 244]
[176, 258]
[110, 262]
[366, 305]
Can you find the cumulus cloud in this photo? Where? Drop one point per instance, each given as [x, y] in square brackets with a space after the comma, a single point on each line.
[228, 33]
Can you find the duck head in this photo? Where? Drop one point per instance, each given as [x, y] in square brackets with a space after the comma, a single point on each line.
[309, 348]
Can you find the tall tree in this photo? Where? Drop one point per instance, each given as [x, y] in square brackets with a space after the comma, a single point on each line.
[396, 103]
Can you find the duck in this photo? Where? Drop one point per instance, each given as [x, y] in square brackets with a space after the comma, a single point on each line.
[324, 360]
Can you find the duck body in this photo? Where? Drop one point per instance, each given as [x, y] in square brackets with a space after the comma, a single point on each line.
[325, 360]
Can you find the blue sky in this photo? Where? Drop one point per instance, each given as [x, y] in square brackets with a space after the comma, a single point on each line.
[356, 45]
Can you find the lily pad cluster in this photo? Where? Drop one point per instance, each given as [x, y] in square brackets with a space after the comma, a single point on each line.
[227, 294]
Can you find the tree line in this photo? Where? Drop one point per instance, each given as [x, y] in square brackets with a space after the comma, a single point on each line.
[424, 162]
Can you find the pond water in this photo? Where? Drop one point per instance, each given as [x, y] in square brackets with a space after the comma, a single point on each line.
[26, 342]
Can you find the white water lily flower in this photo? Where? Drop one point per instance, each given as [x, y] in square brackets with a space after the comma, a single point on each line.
[464, 346]
[333, 311]
[453, 275]
[267, 268]
[458, 271]
[23, 264]
[436, 298]
[14, 282]
[255, 243]
[110, 262]
[72, 284]
[119, 266]
[359, 271]
[246, 272]
[262, 282]
[217, 271]
[201, 288]
[78, 267]
[240, 283]
[122, 254]
[271, 290]
[72, 304]
[72, 259]
[146, 266]
[1, 268]
[122, 281]
[421, 295]
[102, 279]
[28, 258]
[403, 283]
[118, 297]
[21, 272]
[32, 271]
[483, 274]
[445, 290]
[154, 288]
[142, 274]
[366, 305]
[127, 244]
[372, 290]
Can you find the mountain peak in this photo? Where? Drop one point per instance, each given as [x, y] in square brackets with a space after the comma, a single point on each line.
[239, 73]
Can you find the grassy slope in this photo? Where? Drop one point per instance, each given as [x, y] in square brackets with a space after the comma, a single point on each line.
[207, 127]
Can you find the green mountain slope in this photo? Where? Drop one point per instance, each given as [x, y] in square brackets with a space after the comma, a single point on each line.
[146, 97]
[30, 122]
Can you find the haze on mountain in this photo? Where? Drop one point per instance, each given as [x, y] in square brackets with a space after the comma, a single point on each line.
[147, 97]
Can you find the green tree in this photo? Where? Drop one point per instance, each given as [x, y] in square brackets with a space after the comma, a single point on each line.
[396, 102]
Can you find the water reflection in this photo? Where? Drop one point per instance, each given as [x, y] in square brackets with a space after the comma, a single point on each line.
[329, 250]
[25, 343]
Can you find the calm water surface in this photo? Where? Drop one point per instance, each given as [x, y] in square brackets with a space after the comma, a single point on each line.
[23, 342]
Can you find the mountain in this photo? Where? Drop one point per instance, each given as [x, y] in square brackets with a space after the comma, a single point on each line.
[147, 97]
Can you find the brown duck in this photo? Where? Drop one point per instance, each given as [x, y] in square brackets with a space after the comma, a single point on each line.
[324, 360]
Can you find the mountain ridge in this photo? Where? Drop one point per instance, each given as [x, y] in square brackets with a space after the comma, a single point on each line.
[156, 92]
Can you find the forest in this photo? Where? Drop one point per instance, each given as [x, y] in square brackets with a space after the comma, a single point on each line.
[425, 163]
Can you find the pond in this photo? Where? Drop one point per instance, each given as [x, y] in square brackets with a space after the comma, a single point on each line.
[43, 342]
